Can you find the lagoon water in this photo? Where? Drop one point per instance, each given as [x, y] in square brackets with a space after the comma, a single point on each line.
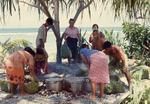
[30, 34]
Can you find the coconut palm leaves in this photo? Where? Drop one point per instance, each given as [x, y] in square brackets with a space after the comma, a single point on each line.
[133, 8]
[11, 46]
[9, 5]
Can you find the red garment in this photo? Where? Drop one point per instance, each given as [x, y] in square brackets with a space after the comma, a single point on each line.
[14, 65]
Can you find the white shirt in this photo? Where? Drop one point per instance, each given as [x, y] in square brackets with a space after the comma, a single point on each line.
[72, 32]
[42, 34]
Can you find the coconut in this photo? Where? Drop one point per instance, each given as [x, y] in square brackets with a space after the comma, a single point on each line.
[4, 86]
[31, 87]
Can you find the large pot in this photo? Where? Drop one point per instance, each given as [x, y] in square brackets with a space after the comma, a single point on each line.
[54, 84]
[76, 83]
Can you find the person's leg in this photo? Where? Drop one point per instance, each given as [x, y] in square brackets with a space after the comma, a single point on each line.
[21, 88]
[21, 82]
[93, 85]
[69, 60]
[45, 69]
[125, 71]
[70, 45]
[74, 52]
[74, 49]
[127, 75]
[102, 86]
[13, 88]
[38, 67]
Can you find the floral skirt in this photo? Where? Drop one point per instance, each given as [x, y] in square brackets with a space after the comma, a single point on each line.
[15, 76]
[99, 72]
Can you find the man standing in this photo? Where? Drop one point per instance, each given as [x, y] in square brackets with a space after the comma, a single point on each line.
[119, 58]
[42, 33]
[72, 36]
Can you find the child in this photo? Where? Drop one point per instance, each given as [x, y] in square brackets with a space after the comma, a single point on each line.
[41, 61]
[98, 68]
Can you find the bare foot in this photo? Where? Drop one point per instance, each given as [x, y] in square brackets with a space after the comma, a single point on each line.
[92, 97]
[22, 93]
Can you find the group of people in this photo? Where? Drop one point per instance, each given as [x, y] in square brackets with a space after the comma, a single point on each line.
[27, 61]
[98, 60]
[96, 57]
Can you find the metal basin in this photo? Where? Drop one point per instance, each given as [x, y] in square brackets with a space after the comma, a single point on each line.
[76, 83]
[54, 84]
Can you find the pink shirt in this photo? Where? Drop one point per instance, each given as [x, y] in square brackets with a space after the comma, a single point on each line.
[72, 32]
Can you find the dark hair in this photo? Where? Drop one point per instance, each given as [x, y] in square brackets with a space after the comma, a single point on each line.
[49, 21]
[102, 35]
[95, 30]
[84, 46]
[107, 44]
[39, 51]
[95, 25]
[30, 50]
[71, 19]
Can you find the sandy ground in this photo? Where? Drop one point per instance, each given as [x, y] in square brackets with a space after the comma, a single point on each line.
[59, 99]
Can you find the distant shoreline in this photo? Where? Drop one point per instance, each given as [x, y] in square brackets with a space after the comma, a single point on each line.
[35, 29]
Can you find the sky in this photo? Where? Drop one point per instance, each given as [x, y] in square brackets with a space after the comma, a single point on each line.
[30, 18]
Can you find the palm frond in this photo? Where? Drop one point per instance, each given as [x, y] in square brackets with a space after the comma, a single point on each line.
[89, 9]
[70, 3]
[8, 5]
[63, 5]
[11, 46]
[131, 8]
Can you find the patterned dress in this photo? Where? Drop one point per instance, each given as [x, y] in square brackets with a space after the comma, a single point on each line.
[14, 65]
[40, 62]
[99, 71]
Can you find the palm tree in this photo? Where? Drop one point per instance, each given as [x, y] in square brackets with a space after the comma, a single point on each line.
[51, 8]
[47, 7]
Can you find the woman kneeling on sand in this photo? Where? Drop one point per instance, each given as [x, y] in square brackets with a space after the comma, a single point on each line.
[98, 68]
[15, 67]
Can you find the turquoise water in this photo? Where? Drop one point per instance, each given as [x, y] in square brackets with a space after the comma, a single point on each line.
[30, 34]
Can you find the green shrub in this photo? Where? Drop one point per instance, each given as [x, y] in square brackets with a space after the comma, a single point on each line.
[139, 94]
[137, 36]
[114, 87]
[141, 72]
[146, 97]
[114, 38]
